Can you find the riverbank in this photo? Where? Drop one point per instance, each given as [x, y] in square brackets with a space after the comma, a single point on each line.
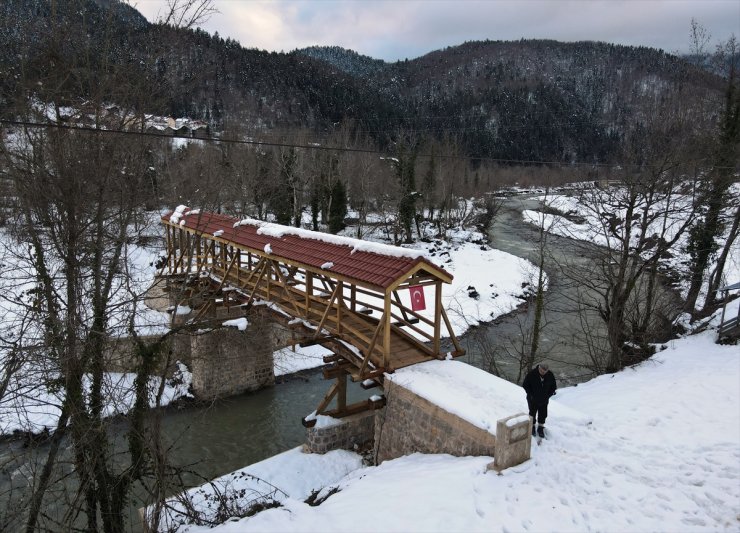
[580, 478]
[569, 216]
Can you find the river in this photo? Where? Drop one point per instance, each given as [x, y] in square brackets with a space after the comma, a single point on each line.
[241, 430]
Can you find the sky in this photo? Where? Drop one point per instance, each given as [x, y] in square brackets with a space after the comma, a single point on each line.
[399, 29]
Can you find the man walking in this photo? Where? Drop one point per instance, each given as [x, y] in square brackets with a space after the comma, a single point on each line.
[539, 385]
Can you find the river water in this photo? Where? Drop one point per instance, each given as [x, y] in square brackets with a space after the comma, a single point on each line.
[241, 430]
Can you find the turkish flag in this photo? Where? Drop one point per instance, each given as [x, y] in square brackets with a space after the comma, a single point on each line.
[417, 298]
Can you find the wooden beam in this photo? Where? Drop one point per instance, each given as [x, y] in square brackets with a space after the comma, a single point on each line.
[387, 330]
[309, 291]
[226, 274]
[437, 314]
[317, 340]
[257, 283]
[326, 312]
[333, 358]
[452, 333]
[400, 306]
[328, 398]
[358, 407]
[276, 268]
[370, 349]
[340, 304]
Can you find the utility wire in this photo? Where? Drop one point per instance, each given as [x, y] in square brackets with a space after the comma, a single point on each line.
[315, 146]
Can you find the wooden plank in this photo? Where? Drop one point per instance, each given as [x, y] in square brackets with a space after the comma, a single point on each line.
[317, 340]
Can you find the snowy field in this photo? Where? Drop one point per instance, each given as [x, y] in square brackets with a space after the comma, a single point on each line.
[662, 453]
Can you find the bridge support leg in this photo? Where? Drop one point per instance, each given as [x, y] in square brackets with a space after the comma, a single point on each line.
[339, 389]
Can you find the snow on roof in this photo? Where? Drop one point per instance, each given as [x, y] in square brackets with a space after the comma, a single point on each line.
[470, 393]
[376, 264]
[278, 230]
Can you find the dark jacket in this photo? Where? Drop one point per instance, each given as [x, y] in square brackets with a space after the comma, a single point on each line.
[539, 389]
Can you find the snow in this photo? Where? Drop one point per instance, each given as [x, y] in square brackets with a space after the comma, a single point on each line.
[497, 277]
[278, 231]
[294, 359]
[471, 393]
[177, 214]
[515, 421]
[293, 473]
[239, 323]
[594, 230]
[322, 421]
[218, 233]
[662, 454]
[268, 248]
[327, 266]
[180, 309]
[37, 409]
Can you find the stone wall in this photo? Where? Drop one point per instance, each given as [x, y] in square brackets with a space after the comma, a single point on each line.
[227, 361]
[411, 424]
[355, 430]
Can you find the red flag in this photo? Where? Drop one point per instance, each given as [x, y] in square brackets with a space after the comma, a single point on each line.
[417, 298]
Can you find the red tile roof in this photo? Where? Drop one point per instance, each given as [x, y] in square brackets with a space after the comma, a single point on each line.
[369, 267]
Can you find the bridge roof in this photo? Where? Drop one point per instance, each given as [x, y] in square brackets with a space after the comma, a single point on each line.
[375, 264]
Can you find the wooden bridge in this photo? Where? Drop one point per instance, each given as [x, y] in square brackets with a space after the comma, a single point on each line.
[348, 291]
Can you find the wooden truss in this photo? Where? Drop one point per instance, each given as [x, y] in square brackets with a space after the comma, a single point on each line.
[380, 332]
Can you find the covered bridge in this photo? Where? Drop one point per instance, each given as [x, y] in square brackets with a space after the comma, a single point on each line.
[384, 303]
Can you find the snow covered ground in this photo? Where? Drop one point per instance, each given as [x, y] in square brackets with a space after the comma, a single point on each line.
[33, 406]
[296, 358]
[594, 229]
[662, 454]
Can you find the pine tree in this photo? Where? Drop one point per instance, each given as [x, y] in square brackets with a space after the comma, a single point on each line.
[338, 207]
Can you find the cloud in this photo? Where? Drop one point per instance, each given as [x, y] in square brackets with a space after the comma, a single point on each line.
[395, 29]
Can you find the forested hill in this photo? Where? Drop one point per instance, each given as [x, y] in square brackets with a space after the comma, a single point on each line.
[534, 100]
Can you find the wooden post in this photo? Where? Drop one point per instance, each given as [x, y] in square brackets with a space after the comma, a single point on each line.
[340, 303]
[387, 331]
[309, 291]
[170, 261]
[269, 276]
[353, 292]
[437, 314]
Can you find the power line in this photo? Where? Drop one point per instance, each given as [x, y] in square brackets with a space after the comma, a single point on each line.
[312, 146]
